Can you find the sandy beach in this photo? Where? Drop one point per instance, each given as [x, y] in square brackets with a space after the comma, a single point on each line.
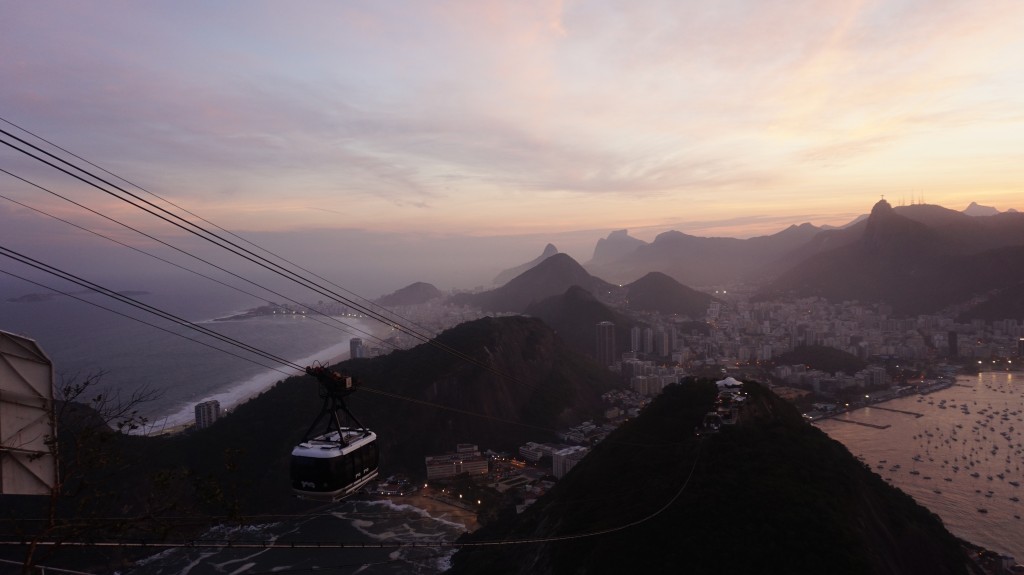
[439, 509]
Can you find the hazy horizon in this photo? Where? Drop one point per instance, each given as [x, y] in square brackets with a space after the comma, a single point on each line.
[371, 264]
[488, 119]
[382, 145]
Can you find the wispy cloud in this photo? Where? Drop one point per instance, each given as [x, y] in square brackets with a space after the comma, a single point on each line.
[546, 113]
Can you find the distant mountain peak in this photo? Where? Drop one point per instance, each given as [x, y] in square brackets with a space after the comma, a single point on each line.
[560, 262]
[883, 226]
[411, 294]
[506, 275]
[617, 245]
[552, 276]
[881, 208]
[657, 291]
[976, 209]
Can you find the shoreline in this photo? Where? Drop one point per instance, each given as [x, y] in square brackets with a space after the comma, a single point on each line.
[177, 419]
[439, 509]
[888, 396]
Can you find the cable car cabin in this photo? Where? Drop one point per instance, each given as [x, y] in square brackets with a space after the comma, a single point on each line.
[327, 469]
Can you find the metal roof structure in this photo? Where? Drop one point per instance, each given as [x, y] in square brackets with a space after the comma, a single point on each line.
[28, 466]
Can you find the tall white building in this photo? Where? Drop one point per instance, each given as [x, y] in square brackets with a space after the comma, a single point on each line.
[648, 347]
[605, 343]
[565, 459]
[355, 348]
[206, 413]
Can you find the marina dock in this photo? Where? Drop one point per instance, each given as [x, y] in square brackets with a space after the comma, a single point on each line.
[876, 426]
[896, 410]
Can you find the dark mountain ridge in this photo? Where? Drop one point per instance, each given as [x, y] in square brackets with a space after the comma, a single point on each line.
[701, 261]
[550, 277]
[659, 292]
[412, 294]
[531, 378]
[574, 316]
[918, 259]
[505, 275]
[768, 495]
[617, 245]
[706, 261]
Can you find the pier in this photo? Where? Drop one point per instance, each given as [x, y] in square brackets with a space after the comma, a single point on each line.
[896, 410]
[886, 426]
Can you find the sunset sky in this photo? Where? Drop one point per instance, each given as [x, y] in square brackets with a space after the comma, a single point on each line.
[502, 118]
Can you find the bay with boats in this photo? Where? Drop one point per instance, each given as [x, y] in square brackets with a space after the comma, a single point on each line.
[957, 450]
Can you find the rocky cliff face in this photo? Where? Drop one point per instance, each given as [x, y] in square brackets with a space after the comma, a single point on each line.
[619, 244]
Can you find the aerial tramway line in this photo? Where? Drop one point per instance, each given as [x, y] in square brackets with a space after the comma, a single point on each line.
[330, 466]
[337, 462]
[342, 460]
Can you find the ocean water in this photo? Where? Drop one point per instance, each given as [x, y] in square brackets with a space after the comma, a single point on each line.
[349, 522]
[956, 452]
[81, 339]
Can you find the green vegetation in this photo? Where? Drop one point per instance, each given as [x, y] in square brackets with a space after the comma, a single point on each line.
[820, 357]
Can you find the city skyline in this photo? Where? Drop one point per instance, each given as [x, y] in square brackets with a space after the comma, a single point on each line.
[735, 119]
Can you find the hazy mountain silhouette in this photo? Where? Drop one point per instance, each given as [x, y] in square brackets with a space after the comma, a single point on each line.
[412, 294]
[965, 234]
[703, 261]
[694, 260]
[550, 277]
[658, 292]
[959, 234]
[506, 275]
[771, 494]
[617, 245]
[916, 258]
[574, 316]
[976, 209]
